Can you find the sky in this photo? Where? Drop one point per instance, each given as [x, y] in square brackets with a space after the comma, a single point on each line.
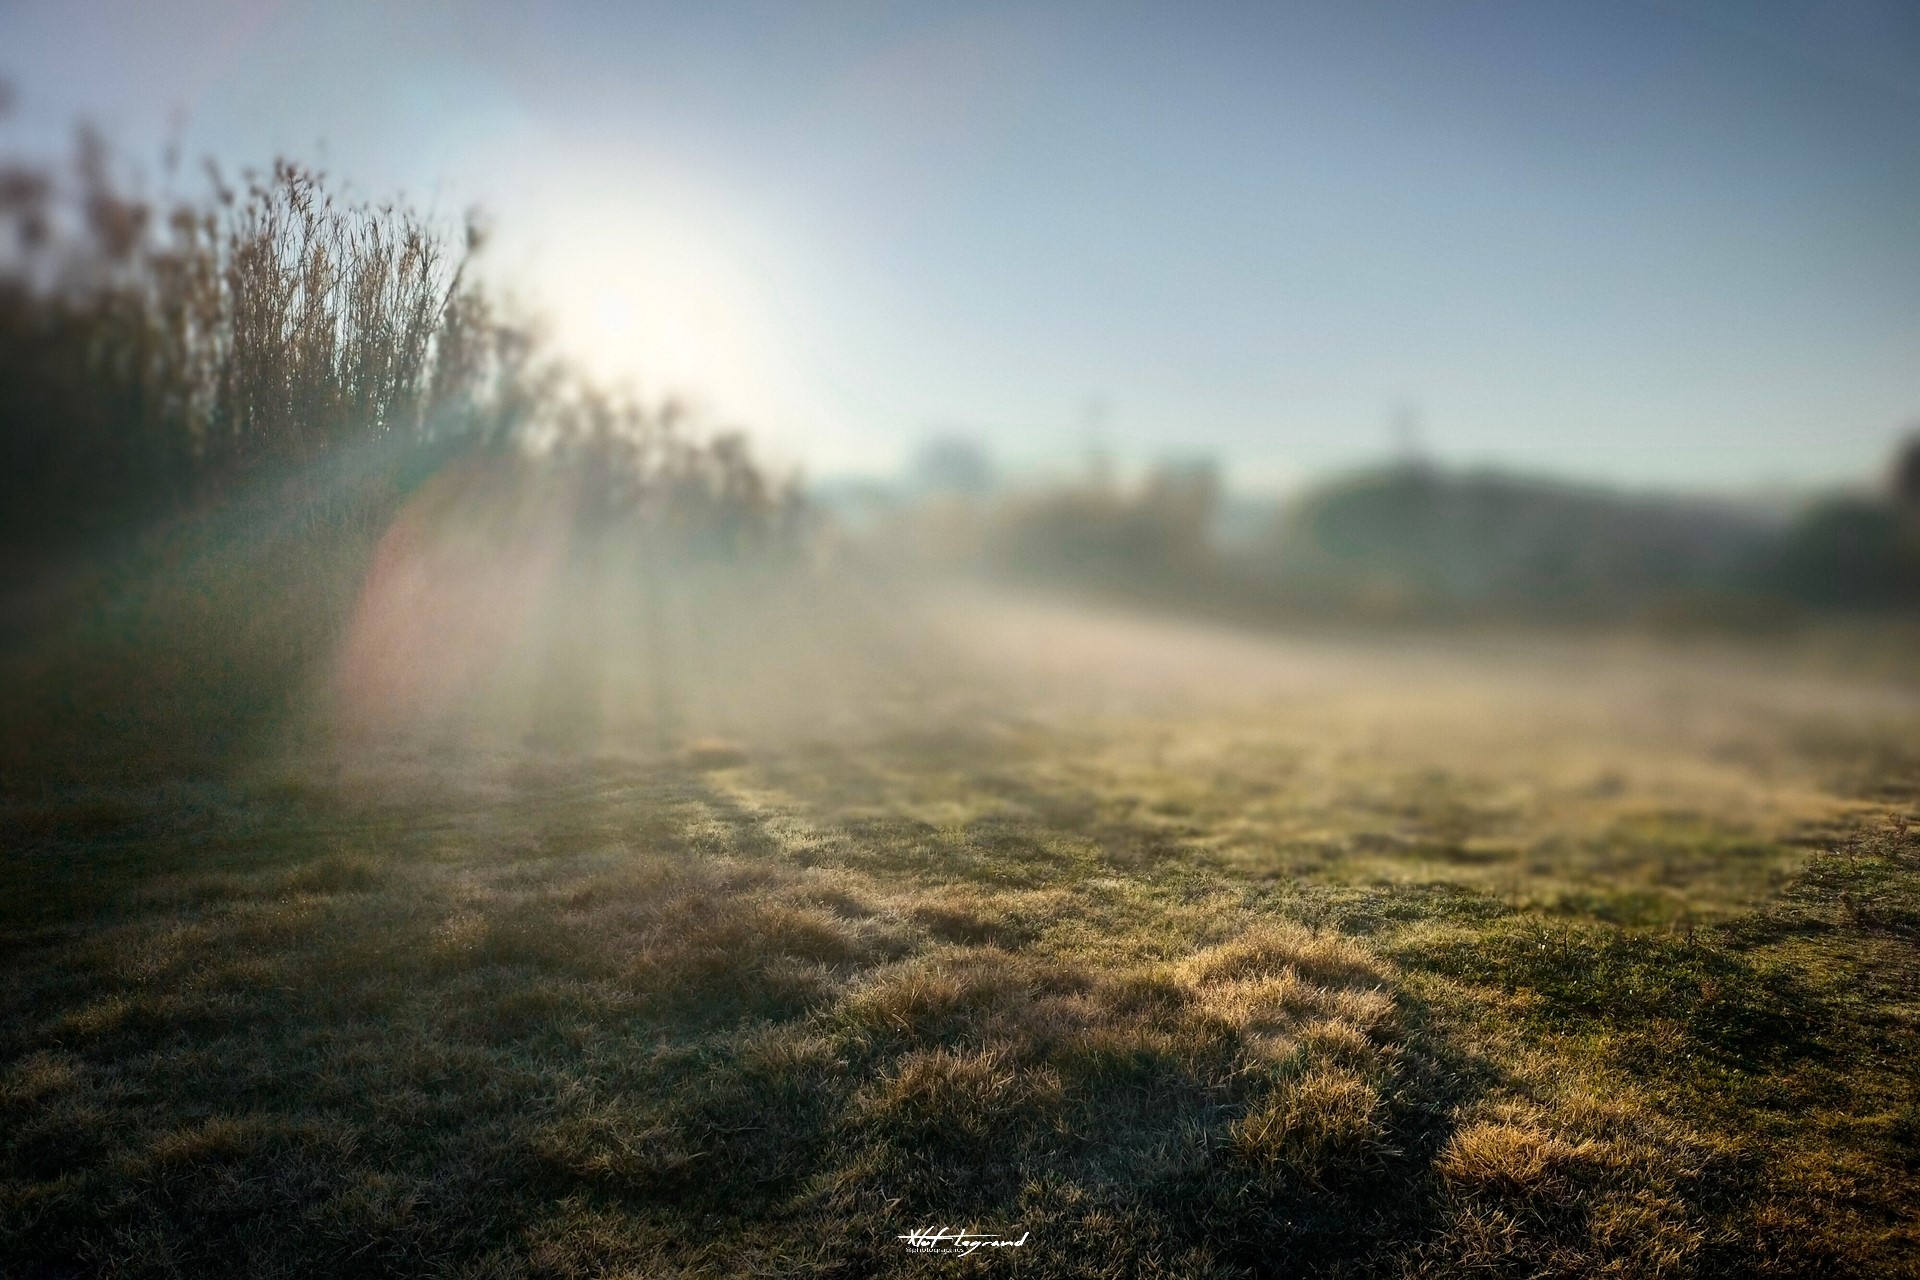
[1659, 244]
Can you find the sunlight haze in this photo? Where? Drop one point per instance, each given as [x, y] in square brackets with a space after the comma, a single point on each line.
[1668, 245]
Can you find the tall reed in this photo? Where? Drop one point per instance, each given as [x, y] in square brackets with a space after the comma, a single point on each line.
[212, 406]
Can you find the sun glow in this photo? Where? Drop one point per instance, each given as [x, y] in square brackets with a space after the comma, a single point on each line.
[653, 296]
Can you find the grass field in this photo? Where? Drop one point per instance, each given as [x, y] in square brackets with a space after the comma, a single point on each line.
[1182, 952]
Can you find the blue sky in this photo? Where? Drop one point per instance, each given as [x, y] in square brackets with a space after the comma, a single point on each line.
[1661, 244]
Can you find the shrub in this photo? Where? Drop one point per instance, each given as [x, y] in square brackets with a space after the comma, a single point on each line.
[215, 409]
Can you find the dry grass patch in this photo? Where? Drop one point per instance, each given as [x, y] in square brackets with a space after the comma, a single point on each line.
[611, 1143]
[1326, 1126]
[335, 873]
[1320, 956]
[216, 1139]
[1511, 1159]
[961, 1095]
